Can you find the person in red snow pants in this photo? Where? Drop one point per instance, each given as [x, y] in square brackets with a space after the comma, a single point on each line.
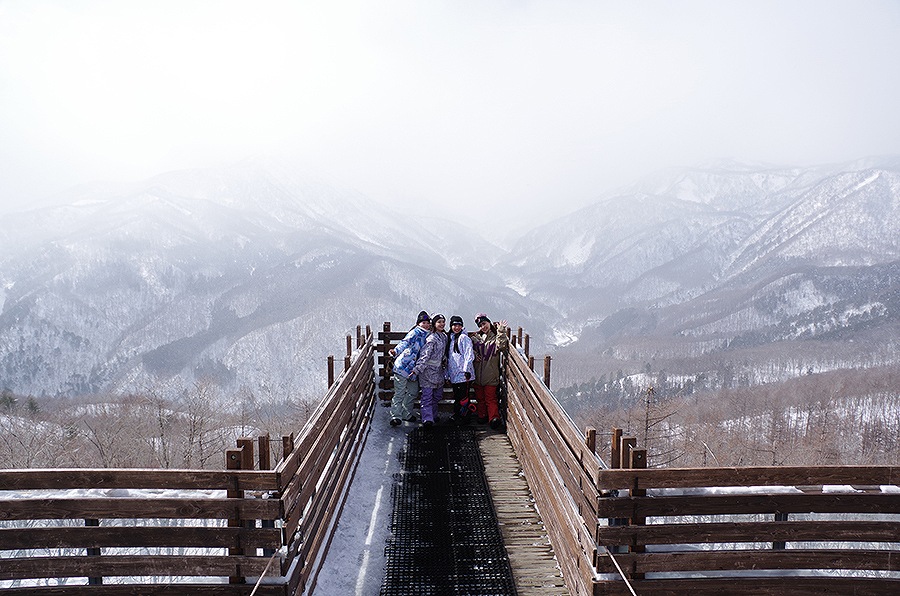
[487, 343]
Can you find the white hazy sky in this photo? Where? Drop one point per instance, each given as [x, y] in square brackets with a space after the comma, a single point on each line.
[503, 109]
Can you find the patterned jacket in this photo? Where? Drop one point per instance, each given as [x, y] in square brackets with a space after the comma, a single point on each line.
[487, 354]
[431, 365]
[408, 351]
[460, 362]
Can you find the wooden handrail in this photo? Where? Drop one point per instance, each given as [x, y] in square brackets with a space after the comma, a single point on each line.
[219, 509]
[135, 478]
[603, 511]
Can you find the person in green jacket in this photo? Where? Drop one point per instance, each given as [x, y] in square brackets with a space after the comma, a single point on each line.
[488, 342]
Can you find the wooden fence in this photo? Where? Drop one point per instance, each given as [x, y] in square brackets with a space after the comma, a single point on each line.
[620, 528]
[192, 532]
[617, 528]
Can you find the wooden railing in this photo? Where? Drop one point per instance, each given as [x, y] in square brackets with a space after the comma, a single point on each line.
[616, 528]
[130, 531]
[561, 468]
[623, 529]
[765, 530]
[315, 475]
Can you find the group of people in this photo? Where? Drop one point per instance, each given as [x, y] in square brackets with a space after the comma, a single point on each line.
[429, 357]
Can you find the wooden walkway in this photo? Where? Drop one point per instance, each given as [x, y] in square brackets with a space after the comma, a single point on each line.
[531, 556]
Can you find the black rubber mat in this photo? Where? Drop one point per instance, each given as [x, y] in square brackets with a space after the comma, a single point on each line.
[445, 539]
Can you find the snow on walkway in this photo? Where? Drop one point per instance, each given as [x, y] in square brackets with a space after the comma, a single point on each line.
[355, 562]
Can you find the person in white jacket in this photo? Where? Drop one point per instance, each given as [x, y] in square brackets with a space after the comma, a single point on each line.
[460, 369]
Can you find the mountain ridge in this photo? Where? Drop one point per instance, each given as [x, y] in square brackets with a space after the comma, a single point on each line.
[246, 276]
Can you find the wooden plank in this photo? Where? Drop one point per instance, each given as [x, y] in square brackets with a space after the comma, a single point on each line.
[391, 336]
[288, 466]
[318, 421]
[750, 476]
[564, 426]
[340, 491]
[326, 508]
[525, 537]
[171, 589]
[138, 565]
[136, 478]
[115, 508]
[319, 449]
[579, 485]
[332, 464]
[748, 504]
[131, 536]
[755, 586]
[571, 540]
[756, 560]
[787, 531]
[358, 398]
[311, 537]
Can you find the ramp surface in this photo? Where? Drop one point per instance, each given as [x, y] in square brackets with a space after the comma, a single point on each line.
[444, 538]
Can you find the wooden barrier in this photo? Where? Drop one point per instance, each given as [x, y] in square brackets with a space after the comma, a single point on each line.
[704, 531]
[619, 529]
[726, 523]
[191, 531]
[320, 467]
[561, 468]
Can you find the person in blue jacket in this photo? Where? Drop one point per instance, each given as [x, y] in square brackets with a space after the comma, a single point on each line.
[406, 385]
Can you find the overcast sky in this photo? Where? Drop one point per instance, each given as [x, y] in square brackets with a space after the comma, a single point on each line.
[498, 108]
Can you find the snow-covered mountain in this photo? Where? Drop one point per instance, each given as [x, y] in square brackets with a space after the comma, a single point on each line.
[677, 236]
[250, 276]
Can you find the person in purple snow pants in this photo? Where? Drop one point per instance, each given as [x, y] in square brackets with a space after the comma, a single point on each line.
[430, 367]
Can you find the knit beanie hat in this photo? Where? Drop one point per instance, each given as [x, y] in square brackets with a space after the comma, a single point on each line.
[455, 319]
[423, 316]
[481, 318]
[437, 318]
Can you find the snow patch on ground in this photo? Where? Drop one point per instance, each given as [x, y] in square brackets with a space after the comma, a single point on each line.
[562, 337]
[355, 562]
[516, 285]
[578, 250]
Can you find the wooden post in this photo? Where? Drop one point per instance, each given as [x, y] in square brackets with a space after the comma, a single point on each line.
[346, 363]
[265, 463]
[93, 552]
[349, 344]
[590, 439]
[615, 462]
[637, 460]
[385, 371]
[368, 331]
[265, 453]
[245, 444]
[628, 443]
[519, 335]
[233, 459]
[330, 371]
[527, 346]
[547, 371]
[615, 449]
[287, 445]
[531, 363]
[359, 337]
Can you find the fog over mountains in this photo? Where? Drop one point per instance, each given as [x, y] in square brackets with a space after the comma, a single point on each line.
[249, 277]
